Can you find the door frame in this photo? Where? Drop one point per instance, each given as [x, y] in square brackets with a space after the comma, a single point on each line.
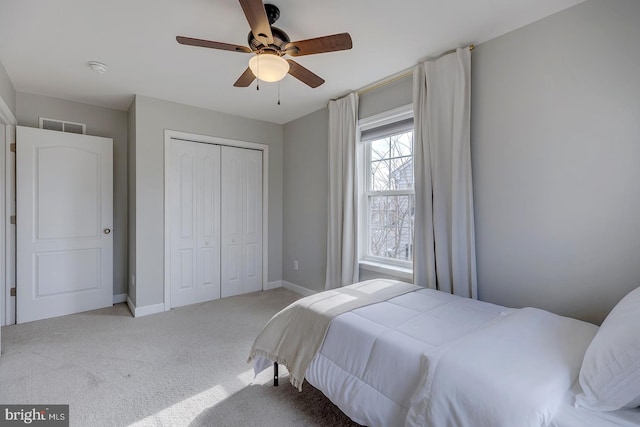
[7, 208]
[205, 139]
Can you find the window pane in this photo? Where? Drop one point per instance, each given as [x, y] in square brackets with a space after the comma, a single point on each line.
[402, 144]
[391, 227]
[379, 180]
[380, 149]
[391, 166]
[401, 173]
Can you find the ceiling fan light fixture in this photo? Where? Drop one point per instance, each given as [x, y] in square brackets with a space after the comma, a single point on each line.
[268, 67]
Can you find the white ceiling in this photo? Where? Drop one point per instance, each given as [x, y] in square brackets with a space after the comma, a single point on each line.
[45, 47]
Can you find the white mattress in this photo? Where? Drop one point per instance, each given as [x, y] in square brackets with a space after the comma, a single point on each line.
[378, 363]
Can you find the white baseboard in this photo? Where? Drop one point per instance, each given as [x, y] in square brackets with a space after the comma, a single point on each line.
[117, 299]
[298, 289]
[145, 310]
[272, 285]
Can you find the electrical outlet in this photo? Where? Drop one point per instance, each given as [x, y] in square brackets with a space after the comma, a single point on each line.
[295, 264]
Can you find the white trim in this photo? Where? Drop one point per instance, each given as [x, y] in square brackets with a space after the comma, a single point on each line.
[265, 215]
[382, 265]
[386, 117]
[273, 285]
[298, 289]
[387, 269]
[194, 137]
[3, 229]
[167, 226]
[6, 116]
[117, 299]
[7, 259]
[8, 119]
[10, 229]
[145, 310]
[206, 139]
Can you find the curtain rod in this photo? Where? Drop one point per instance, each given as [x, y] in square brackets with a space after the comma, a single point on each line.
[400, 75]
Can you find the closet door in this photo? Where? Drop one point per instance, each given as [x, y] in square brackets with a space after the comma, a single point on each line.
[241, 262]
[194, 200]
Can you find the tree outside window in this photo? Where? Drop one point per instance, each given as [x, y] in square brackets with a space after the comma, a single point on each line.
[390, 197]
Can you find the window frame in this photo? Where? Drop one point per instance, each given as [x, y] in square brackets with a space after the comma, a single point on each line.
[367, 261]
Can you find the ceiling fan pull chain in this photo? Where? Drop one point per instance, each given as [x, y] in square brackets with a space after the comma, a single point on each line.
[278, 93]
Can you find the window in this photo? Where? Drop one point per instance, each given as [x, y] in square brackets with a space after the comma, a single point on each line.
[388, 196]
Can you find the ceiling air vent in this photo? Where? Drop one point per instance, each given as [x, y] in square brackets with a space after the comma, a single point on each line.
[62, 126]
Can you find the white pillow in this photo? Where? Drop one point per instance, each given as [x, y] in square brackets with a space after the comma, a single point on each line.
[610, 373]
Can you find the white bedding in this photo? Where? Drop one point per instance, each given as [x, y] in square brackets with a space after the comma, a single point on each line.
[568, 415]
[514, 371]
[371, 362]
[430, 358]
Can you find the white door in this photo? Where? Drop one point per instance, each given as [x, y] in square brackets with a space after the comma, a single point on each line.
[241, 221]
[194, 215]
[64, 208]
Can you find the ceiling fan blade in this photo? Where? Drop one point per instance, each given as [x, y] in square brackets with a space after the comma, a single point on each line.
[211, 44]
[324, 44]
[258, 20]
[304, 75]
[245, 79]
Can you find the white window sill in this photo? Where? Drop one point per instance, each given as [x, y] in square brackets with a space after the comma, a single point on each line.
[391, 270]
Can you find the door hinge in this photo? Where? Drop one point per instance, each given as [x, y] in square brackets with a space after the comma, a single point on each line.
[13, 219]
[12, 147]
[13, 292]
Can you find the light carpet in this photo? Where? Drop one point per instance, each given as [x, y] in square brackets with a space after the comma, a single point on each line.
[184, 367]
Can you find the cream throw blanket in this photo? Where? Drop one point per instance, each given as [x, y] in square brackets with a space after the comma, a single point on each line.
[294, 335]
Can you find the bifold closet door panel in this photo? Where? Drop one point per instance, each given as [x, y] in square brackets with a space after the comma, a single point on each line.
[208, 224]
[241, 206]
[194, 215]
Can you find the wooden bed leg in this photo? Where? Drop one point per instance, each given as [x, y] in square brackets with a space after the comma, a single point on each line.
[275, 374]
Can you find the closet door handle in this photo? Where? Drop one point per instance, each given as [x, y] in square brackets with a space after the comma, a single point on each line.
[107, 231]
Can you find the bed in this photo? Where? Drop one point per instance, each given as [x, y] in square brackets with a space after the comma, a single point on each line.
[393, 354]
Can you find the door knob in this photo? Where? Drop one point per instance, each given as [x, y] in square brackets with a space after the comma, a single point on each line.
[107, 230]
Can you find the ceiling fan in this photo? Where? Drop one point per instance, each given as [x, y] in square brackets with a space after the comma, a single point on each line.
[270, 44]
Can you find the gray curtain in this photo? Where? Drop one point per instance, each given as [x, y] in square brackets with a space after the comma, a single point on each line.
[444, 256]
[342, 230]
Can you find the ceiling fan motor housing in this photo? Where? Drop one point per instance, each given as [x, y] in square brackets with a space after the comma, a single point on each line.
[280, 40]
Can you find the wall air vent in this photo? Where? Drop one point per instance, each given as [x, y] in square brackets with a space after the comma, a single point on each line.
[62, 126]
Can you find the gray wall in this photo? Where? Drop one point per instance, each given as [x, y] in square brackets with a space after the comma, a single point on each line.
[152, 117]
[393, 95]
[555, 148]
[7, 92]
[103, 122]
[305, 200]
[555, 151]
